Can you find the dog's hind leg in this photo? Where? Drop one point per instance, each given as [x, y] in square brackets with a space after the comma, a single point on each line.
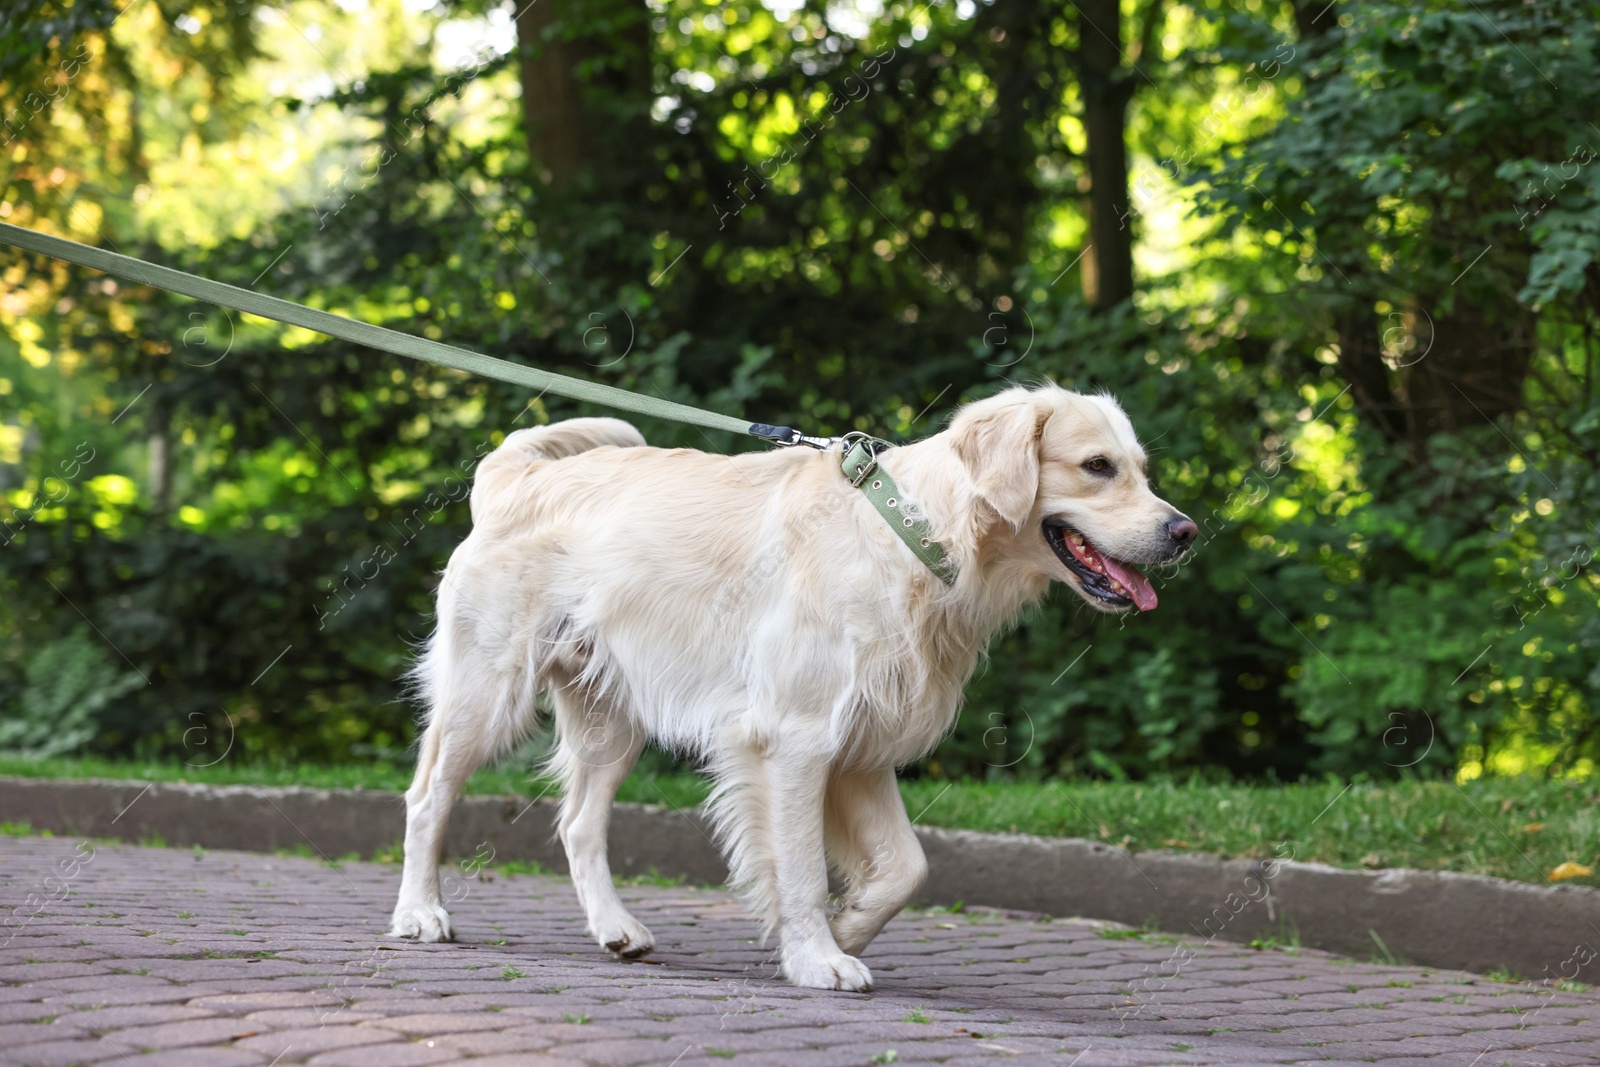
[597, 746]
[445, 761]
[475, 712]
[871, 844]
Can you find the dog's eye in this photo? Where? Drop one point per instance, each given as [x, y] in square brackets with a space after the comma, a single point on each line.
[1098, 465]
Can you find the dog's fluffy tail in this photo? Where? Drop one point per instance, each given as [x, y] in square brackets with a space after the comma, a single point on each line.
[525, 450]
[562, 439]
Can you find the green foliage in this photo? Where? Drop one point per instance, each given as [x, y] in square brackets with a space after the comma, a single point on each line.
[799, 225]
[1458, 608]
[66, 686]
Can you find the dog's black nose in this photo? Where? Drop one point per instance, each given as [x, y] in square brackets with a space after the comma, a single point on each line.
[1182, 530]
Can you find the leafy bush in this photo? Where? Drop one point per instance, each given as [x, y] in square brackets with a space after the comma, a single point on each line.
[68, 684]
[1397, 524]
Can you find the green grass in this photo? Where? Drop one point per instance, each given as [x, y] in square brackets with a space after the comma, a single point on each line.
[1519, 828]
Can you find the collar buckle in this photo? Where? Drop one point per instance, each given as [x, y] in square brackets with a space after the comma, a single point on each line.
[867, 446]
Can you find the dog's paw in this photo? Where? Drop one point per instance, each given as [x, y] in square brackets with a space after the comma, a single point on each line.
[624, 937]
[422, 922]
[828, 971]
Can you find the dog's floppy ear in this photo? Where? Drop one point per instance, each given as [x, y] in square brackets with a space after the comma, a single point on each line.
[998, 442]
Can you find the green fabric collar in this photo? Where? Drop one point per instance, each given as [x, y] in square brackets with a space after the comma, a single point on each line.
[860, 467]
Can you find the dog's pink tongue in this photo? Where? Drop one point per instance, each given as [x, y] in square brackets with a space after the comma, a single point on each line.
[1137, 585]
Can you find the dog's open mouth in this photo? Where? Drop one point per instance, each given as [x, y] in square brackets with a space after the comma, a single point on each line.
[1107, 579]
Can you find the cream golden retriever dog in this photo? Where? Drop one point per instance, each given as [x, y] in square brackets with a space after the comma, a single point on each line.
[756, 612]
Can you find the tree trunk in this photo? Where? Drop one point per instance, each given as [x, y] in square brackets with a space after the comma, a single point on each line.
[1107, 89]
[1470, 370]
[1461, 370]
[1361, 363]
[585, 72]
[1314, 18]
[551, 93]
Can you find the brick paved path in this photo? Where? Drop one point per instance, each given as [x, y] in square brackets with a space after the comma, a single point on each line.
[144, 956]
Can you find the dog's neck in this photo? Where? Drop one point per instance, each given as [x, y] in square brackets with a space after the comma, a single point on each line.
[994, 581]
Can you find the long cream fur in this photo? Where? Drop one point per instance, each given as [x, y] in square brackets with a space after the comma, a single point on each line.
[756, 612]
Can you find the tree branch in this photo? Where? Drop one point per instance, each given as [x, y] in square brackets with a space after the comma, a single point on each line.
[1152, 25]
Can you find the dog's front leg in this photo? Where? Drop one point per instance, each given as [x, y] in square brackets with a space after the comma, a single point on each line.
[809, 954]
[873, 844]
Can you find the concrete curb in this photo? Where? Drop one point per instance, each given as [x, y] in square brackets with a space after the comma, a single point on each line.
[1435, 919]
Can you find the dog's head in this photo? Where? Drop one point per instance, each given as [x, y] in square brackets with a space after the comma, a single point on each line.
[1064, 476]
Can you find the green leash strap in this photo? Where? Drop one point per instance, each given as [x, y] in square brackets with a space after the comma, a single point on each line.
[385, 340]
[860, 457]
[860, 467]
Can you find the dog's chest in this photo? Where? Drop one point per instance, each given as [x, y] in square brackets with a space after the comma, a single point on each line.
[907, 704]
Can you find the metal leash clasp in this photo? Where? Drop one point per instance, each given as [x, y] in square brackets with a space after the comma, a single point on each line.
[788, 437]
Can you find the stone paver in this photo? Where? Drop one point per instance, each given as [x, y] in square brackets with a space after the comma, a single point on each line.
[149, 956]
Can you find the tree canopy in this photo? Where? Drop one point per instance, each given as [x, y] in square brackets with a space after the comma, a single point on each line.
[1338, 261]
